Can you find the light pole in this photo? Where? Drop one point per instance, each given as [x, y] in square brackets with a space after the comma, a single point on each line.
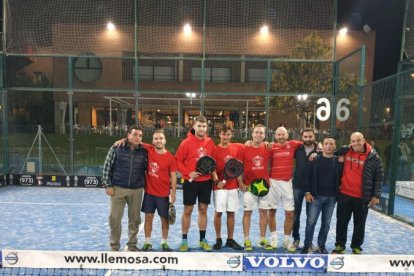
[302, 110]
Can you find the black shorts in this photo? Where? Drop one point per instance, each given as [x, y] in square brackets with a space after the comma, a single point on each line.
[152, 202]
[197, 189]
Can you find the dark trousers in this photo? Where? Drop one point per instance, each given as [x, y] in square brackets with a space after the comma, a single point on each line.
[350, 206]
[298, 195]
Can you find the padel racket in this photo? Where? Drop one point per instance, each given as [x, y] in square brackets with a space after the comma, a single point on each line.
[259, 187]
[205, 165]
[232, 169]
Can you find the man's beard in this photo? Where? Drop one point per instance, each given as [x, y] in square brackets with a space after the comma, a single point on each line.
[308, 143]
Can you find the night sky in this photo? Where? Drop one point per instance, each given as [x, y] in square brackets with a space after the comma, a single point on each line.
[385, 17]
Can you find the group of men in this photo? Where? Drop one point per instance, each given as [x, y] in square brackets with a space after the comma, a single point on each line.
[295, 170]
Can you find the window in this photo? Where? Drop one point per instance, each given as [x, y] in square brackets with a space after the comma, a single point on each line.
[88, 69]
[211, 74]
[258, 75]
[157, 73]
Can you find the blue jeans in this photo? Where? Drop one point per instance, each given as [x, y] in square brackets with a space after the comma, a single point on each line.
[326, 205]
[298, 195]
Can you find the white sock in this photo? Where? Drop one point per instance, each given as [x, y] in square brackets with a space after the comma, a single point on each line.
[274, 235]
[246, 238]
[148, 240]
[163, 241]
[287, 238]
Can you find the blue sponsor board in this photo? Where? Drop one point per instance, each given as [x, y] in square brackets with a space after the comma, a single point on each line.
[285, 262]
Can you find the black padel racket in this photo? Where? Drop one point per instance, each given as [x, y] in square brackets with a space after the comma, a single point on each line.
[232, 169]
[205, 165]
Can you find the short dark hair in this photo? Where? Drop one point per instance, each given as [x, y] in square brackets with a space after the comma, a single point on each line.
[225, 128]
[131, 128]
[200, 118]
[307, 130]
[328, 137]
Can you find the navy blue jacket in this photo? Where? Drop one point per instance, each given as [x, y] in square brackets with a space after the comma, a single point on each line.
[129, 167]
[301, 159]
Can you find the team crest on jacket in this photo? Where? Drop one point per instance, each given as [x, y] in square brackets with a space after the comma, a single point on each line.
[201, 152]
[154, 167]
[257, 160]
[227, 158]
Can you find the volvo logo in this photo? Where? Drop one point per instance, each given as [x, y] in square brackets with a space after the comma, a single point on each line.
[11, 258]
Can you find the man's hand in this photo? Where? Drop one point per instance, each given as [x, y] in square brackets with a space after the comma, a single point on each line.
[309, 197]
[248, 143]
[220, 184]
[374, 201]
[242, 187]
[312, 156]
[194, 175]
[172, 198]
[120, 143]
[110, 191]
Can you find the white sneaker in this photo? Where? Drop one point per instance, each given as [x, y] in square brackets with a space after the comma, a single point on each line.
[289, 246]
[273, 243]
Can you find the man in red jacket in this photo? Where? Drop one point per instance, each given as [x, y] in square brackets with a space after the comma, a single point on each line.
[361, 182]
[195, 146]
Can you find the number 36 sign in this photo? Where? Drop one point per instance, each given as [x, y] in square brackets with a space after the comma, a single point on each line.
[324, 110]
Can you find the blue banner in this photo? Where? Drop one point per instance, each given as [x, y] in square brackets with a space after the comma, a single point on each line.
[285, 262]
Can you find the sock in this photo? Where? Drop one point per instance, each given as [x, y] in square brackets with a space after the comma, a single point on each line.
[274, 235]
[163, 241]
[148, 240]
[246, 238]
[202, 234]
[184, 236]
[287, 238]
[262, 238]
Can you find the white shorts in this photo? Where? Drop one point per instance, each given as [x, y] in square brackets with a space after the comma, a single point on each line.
[281, 192]
[226, 200]
[251, 202]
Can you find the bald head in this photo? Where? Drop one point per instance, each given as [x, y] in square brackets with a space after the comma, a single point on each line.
[281, 135]
[357, 142]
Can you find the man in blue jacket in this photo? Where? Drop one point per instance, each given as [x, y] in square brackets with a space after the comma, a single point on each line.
[124, 177]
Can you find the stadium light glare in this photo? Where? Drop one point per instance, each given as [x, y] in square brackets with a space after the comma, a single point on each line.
[264, 30]
[343, 31]
[412, 75]
[110, 26]
[187, 29]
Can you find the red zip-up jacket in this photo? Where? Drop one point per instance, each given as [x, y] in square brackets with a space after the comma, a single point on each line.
[190, 150]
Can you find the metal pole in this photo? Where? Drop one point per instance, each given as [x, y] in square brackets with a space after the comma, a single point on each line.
[407, 3]
[335, 30]
[395, 140]
[179, 119]
[334, 95]
[361, 86]
[247, 119]
[203, 59]
[39, 149]
[70, 95]
[136, 68]
[110, 116]
[268, 85]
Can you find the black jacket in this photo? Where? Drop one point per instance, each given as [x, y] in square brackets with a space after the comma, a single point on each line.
[372, 176]
[312, 176]
[301, 159]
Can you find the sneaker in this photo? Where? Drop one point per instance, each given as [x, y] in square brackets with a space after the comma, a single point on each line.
[338, 250]
[114, 248]
[306, 250]
[133, 249]
[265, 244]
[233, 244]
[165, 247]
[296, 244]
[289, 246]
[219, 243]
[204, 245]
[273, 243]
[248, 245]
[357, 251]
[184, 246]
[147, 247]
[322, 250]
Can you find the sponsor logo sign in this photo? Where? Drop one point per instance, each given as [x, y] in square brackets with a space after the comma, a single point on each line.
[285, 263]
[27, 180]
